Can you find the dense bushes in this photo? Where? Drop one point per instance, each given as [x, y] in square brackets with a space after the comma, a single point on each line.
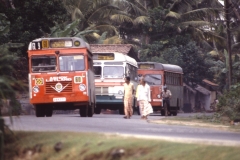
[229, 103]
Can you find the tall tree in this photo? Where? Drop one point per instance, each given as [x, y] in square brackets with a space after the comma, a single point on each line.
[30, 19]
[94, 16]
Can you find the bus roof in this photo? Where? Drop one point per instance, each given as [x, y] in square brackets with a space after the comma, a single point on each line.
[58, 42]
[118, 57]
[160, 66]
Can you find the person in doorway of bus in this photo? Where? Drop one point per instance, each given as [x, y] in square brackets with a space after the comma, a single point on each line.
[128, 97]
[144, 99]
[166, 95]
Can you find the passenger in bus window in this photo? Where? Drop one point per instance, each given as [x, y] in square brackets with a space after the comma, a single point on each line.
[43, 63]
[166, 95]
[128, 97]
[144, 99]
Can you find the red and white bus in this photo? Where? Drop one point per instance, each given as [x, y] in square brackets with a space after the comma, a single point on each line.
[157, 75]
[61, 76]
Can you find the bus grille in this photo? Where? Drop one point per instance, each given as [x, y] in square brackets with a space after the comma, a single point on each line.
[51, 85]
[101, 90]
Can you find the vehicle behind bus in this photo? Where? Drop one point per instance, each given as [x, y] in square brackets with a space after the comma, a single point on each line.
[110, 70]
[61, 76]
[158, 75]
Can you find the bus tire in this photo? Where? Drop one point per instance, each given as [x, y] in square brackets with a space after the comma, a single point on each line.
[121, 110]
[48, 111]
[90, 111]
[163, 112]
[40, 111]
[174, 113]
[83, 111]
[97, 110]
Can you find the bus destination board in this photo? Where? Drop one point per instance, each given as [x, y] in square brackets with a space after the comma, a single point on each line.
[60, 43]
[108, 56]
[146, 66]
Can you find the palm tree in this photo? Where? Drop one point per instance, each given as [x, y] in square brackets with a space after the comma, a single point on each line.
[94, 18]
[113, 18]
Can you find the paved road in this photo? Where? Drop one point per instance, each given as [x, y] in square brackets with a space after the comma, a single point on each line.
[115, 124]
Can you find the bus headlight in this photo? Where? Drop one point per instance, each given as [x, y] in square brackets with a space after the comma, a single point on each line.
[120, 92]
[158, 96]
[35, 89]
[82, 87]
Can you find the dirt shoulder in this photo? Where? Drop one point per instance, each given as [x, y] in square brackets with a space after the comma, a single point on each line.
[196, 123]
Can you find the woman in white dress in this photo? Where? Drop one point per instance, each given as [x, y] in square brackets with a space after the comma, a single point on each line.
[144, 99]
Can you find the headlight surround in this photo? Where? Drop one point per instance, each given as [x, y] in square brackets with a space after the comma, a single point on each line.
[158, 96]
[82, 87]
[120, 92]
[35, 89]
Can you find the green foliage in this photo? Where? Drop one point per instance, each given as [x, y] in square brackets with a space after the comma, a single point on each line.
[8, 84]
[159, 28]
[229, 103]
[31, 19]
[180, 50]
[4, 28]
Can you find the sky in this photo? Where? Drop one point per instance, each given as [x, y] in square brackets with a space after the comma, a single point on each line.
[221, 1]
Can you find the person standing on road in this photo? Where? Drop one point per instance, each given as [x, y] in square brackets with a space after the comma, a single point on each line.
[144, 99]
[166, 95]
[128, 98]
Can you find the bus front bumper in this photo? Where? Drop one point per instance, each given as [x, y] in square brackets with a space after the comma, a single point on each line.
[106, 99]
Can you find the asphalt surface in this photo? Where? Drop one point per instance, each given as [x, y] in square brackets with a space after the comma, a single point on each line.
[134, 127]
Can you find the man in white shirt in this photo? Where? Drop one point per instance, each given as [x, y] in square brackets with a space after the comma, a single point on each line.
[144, 99]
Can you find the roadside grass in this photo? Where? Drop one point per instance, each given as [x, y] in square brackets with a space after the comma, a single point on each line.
[200, 120]
[89, 146]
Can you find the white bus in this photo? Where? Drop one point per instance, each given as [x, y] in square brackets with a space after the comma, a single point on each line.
[110, 70]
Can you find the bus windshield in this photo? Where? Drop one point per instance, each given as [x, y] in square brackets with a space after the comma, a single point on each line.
[43, 63]
[71, 63]
[113, 72]
[153, 79]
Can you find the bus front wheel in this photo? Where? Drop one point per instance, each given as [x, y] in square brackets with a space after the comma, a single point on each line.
[97, 110]
[48, 111]
[174, 113]
[121, 110]
[90, 111]
[163, 112]
[83, 111]
[40, 111]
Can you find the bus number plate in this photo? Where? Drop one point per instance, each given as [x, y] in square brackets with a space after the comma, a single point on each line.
[60, 99]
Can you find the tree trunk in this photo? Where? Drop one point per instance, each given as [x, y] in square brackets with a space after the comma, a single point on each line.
[227, 19]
